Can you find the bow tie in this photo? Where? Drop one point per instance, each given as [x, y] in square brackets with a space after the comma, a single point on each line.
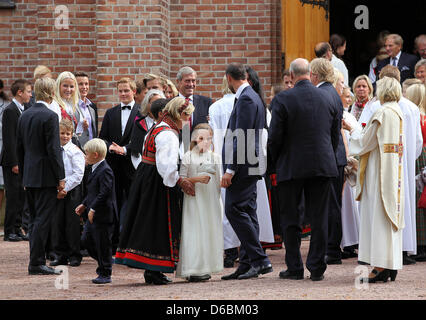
[126, 107]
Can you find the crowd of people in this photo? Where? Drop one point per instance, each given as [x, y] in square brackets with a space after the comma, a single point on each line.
[173, 181]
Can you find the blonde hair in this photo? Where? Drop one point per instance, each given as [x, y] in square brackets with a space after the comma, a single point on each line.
[41, 71]
[337, 76]
[345, 88]
[130, 82]
[390, 71]
[173, 106]
[198, 127]
[146, 100]
[388, 90]
[96, 145]
[173, 87]
[323, 68]
[366, 79]
[416, 94]
[397, 39]
[409, 82]
[44, 89]
[76, 96]
[66, 124]
[225, 86]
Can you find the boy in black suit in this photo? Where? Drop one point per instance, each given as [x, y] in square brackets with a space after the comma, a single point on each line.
[15, 196]
[101, 204]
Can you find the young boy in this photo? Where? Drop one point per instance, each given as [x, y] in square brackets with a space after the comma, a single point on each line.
[65, 224]
[101, 205]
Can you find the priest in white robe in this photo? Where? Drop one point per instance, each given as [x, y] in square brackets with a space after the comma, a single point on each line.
[413, 142]
[380, 184]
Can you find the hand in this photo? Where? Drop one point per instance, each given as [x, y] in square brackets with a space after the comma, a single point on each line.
[116, 149]
[85, 124]
[15, 169]
[226, 180]
[346, 125]
[188, 187]
[204, 179]
[80, 209]
[61, 185]
[61, 194]
[91, 215]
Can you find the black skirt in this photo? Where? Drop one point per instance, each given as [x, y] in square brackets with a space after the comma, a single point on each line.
[151, 231]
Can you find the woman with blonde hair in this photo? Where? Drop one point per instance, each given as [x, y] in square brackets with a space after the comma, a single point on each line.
[416, 93]
[171, 90]
[363, 91]
[150, 235]
[380, 186]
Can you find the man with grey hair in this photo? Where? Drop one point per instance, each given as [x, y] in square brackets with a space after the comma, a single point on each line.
[186, 84]
[420, 45]
[303, 138]
[404, 61]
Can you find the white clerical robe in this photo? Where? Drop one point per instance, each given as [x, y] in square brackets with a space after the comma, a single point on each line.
[413, 142]
[219, 114]
[380, 187]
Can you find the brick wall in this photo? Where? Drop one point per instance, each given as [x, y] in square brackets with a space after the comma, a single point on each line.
[110, 39]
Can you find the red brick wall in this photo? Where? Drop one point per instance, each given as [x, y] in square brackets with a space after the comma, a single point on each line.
[110, 39]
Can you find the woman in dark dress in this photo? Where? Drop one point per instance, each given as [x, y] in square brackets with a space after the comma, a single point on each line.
[150, 236]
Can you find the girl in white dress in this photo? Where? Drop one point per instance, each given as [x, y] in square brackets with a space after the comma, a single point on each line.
[201, 247]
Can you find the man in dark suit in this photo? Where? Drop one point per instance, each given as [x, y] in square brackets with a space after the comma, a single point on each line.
[186, 84]
[116, 130]
[88, 128]
[15, 195]
[322, 76]
[243, 165]
[303, 138]
[404, 61]
[41, 166]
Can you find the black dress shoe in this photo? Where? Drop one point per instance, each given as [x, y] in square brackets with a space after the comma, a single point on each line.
[59, 262]
[347, 254]
[43, 269]
[406, 260]
[12, 237]
[155, 277]
[330, 260]
[235, 275]
[204, 277]
[314, 277]
[75, 262]
[292, 275]
[253, 272]
[101, 280]
[379, 276]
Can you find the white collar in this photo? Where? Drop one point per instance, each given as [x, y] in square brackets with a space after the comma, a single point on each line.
[67, 146]
[397, 56]
[240, 89]
[20, 106]
[319, 84]
[191, 97]
[131, 104]
[96, 165]
[45, 103]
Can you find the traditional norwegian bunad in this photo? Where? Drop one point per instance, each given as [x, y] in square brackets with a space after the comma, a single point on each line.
[150, 236]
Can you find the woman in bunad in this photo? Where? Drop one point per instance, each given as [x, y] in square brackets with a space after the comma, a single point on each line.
[150, 236]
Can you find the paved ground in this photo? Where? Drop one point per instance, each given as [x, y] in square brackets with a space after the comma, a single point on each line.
[127, 283]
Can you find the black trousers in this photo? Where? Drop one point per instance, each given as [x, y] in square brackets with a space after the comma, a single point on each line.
[97, 240]
[65, 232]
[42, 207]
[335, 216]
[240, 209]
[15, 200]
[316, 193]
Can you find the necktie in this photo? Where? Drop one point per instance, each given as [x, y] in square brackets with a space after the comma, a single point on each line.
[395, 61]
[235, 101]
[126, 107]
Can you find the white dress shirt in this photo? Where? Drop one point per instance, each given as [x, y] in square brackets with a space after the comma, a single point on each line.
[125, 114]
[74, 163]
[20, 106]
[340, 65]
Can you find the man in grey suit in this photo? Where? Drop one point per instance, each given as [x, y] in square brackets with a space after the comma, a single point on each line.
[87, 127]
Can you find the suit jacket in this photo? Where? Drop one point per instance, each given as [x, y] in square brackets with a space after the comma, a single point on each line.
[406, 64]
[246, 124]
[101, 194]
[11, 114]
[338, 105]
[38, 148]
[111, 132]
[84, 137]
[201, 112]
[304, 133]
